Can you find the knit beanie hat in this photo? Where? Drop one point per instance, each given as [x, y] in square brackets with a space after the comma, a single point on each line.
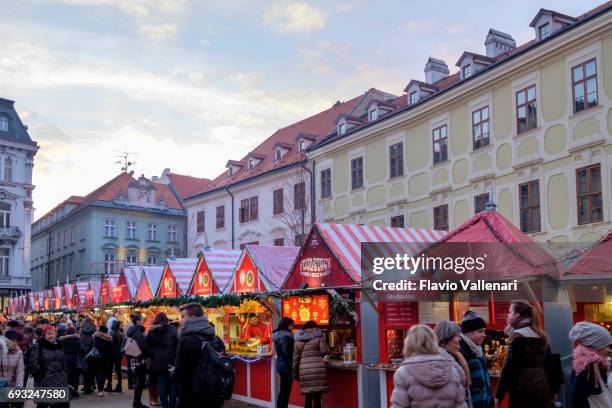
[590, 335]
[471, 322]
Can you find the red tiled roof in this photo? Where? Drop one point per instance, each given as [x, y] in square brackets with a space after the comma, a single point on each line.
[113, 188]
[317, 126]
[187, 186]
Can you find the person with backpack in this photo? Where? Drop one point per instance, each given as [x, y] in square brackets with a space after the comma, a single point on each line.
[590, 364]
[189, 370]
[74, 351]
[524, 375]
[162, 341]
[283, 346]
[117, 340]
[308, 364]
[137, 350]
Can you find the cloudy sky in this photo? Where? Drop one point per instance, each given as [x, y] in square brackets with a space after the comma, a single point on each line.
[190, 84]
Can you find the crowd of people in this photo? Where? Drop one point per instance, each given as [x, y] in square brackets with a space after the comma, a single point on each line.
[443, 367]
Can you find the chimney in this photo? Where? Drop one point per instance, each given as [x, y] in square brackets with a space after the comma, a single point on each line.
[435, 70]
[498, 43]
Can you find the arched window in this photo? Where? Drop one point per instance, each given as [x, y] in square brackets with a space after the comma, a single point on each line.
[5, 215]
[4, 124]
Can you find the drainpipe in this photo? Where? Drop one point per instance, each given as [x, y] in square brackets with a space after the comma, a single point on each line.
[313, 214]
[48, 259]
[232, 213]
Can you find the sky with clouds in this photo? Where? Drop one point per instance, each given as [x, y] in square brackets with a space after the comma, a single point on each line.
[190, 84]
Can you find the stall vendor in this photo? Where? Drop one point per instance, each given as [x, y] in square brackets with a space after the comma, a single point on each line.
[256, 329]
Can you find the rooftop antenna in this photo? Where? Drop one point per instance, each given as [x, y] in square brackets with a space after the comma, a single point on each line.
[124, 159]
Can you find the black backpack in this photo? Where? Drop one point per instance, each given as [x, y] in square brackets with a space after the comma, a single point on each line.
[214, 376]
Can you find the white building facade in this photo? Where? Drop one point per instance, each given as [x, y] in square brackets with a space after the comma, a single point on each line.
[17, 151]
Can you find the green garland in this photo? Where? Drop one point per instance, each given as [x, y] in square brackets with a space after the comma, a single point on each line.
[340, 308]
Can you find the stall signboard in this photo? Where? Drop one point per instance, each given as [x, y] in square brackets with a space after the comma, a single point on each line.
[246, 278]
[317, 266]
[401, 314]
[118, 294]
[89, 297]
[304, 308]
[105, 293]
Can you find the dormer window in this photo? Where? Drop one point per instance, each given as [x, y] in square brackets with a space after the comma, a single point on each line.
[544, 31]
[231, 171]
[467, 71]
[413, 97]
[341, 128]
[373, 114]
[251, 163]
[279, 154]
[302, 145]
[3, 124]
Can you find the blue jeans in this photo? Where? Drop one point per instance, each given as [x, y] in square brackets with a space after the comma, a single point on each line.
[167, 388]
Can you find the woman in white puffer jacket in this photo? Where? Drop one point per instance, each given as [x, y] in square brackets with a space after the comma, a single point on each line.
[426, 378]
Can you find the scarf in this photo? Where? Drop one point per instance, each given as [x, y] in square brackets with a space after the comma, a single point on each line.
[584, 357]
[514, 324]
[476, 349]
[456, 354]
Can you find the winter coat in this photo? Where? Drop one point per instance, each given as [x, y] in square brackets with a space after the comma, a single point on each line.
[428, 381]
[162, 342]
[308, 364]
[524, 373]
[480, 387]
[74, 351]
[283, 345]
[115, 333]
[584, 385]
[48, 364]
[195, 331]
[22, 340]
[104, 344]
[86, 332]
[12, 367]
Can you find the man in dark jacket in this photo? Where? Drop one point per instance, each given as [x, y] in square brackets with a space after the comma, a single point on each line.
[74, 351]
[86, 331]
[117, 337]
[194, 331]
[472, 336]
[283, 346]
[136, 332]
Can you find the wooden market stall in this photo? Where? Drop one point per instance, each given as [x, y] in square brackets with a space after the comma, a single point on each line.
[68, 295]
[127, 285]
[213, 271]
[510, 255]
[92, 294]
[148, 283]
[108, 283]
[176, 277]
[260, 268]
[329, 269]
[57, 295]
[78, 295]
[589, 282]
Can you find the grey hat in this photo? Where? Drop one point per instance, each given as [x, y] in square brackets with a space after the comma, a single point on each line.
[590, 335]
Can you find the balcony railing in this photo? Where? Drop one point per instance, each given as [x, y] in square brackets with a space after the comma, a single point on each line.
[15, 282]
[11, 234]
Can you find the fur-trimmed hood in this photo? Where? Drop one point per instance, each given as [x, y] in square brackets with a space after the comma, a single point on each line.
[103, 336]
[308, 334]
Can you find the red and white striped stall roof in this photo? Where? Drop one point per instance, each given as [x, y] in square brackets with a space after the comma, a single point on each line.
[112, 281]
[221, 264]
[183, 270]
[345, 241]
[57, 291]
[132, 276]
[32, 301]
[152, 276]
[81, 288]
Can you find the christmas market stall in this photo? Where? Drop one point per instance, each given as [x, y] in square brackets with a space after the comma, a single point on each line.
[148, 283]
[260, 269]
[58, 293]
[589, 282]
[92, 294]
[328, 270]
[68, 295]
[213, 271]
[176, 278]
[509, 257]
[78, 297]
